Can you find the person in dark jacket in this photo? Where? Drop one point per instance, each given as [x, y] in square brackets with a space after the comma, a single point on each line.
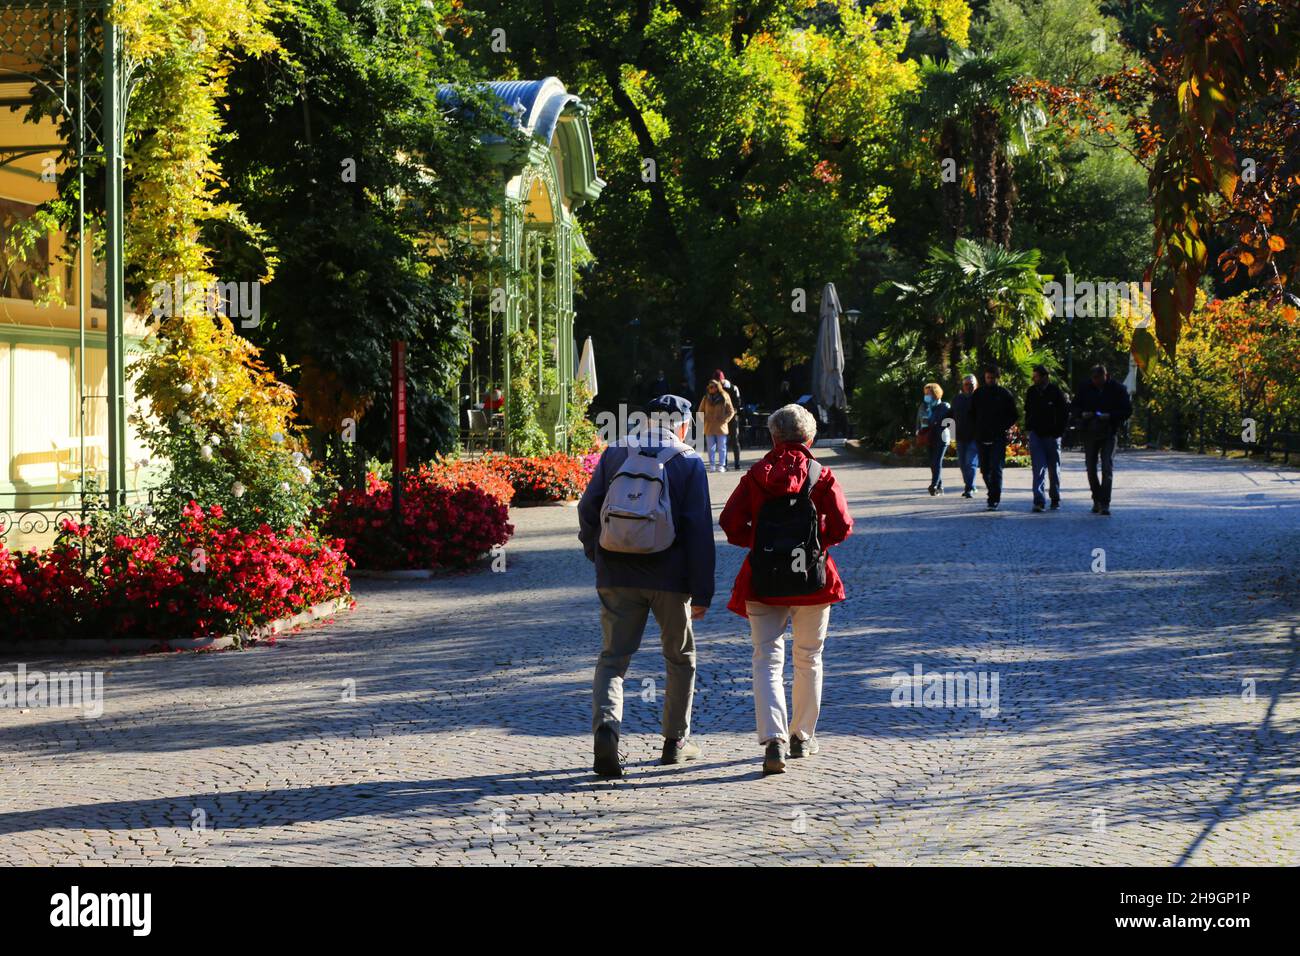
[676, 585]
[1102, 406]
[967, 446]
[934, 412]
[1047, 412]
[783, 471]
[993, 411]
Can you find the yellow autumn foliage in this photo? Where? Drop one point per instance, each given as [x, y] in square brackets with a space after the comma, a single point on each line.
[180, 53]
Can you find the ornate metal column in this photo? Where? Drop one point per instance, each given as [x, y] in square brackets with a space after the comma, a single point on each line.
[114, 123]
[564, 320]
[512, 242]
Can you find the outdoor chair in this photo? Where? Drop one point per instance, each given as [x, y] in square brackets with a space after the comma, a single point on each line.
[477, 431]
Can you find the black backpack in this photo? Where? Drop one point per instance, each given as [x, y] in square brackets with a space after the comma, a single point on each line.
[787, 558]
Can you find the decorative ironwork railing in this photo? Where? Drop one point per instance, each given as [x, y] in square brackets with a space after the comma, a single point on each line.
[41, 520]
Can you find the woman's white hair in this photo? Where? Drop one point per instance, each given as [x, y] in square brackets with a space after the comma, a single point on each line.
[792, 423]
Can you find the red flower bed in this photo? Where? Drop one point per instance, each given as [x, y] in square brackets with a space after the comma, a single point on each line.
[262, 575]
[447, 521]
[206, 579]
[556, 477]
[40, 591]
[482, 472]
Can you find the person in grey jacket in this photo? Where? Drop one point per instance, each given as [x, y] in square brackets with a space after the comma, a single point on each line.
[676, 585]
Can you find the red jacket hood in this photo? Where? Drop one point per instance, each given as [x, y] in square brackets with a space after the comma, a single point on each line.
[782, 470]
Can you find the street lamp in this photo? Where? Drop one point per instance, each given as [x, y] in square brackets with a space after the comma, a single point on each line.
[851, 316]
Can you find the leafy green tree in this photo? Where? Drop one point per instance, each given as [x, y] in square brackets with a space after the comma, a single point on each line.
[982, 128]
[1077, 196]
[361, 185]
[743, 145]
[1065, 42]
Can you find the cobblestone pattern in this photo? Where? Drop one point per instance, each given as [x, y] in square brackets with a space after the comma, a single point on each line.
[1123, 733]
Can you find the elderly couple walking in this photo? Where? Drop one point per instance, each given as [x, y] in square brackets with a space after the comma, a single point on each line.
[647, 523]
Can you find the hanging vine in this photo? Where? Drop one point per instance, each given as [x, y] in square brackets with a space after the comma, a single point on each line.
[526, 434]
[212, 398]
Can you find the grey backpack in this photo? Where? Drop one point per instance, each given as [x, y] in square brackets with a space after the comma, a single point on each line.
[637, 514]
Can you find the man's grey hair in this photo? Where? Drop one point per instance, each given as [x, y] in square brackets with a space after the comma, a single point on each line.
[970, 378]
[792, 423]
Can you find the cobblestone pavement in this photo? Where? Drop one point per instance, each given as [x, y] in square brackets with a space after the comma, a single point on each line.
[1124, 732]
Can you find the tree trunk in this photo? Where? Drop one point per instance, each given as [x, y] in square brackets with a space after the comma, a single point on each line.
[1006, 201]
[985, 171]
[954, 209]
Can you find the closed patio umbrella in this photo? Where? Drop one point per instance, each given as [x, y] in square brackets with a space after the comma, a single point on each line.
[828, 359]
[587, 366]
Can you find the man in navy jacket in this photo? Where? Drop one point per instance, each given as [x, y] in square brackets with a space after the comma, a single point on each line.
[1102, 406]
[1047, 412]
[676, 585]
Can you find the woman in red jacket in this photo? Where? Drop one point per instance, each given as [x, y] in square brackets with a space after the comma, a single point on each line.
[780, 473]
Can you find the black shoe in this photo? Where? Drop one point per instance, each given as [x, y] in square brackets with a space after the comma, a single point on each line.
[1096, 508]
[676, 751]
[803, 748]
[1039, 509]
[931, 490]
[1105, 509]
[993, 506]
[938, 490]
[968, 494]
[1056, 505]
[774, 758]
[607, 764]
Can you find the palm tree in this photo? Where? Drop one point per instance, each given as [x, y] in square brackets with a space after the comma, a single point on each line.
[979, 299]
[936, 114]
[968, 100]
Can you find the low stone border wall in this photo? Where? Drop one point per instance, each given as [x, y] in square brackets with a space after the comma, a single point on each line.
[418, 574]
[104, 645]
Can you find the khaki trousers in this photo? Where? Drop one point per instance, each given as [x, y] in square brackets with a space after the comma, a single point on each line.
[623, 616]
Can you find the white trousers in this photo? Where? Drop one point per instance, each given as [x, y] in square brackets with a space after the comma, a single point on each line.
[767, 628]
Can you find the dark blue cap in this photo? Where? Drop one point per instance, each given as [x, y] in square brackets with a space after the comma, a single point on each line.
[670, 405]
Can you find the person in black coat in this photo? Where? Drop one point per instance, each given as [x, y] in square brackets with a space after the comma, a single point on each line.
[1102, 406]
[967, 447]
[993, 411]
[934, 412]
[733, 392]
[1047, 412]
